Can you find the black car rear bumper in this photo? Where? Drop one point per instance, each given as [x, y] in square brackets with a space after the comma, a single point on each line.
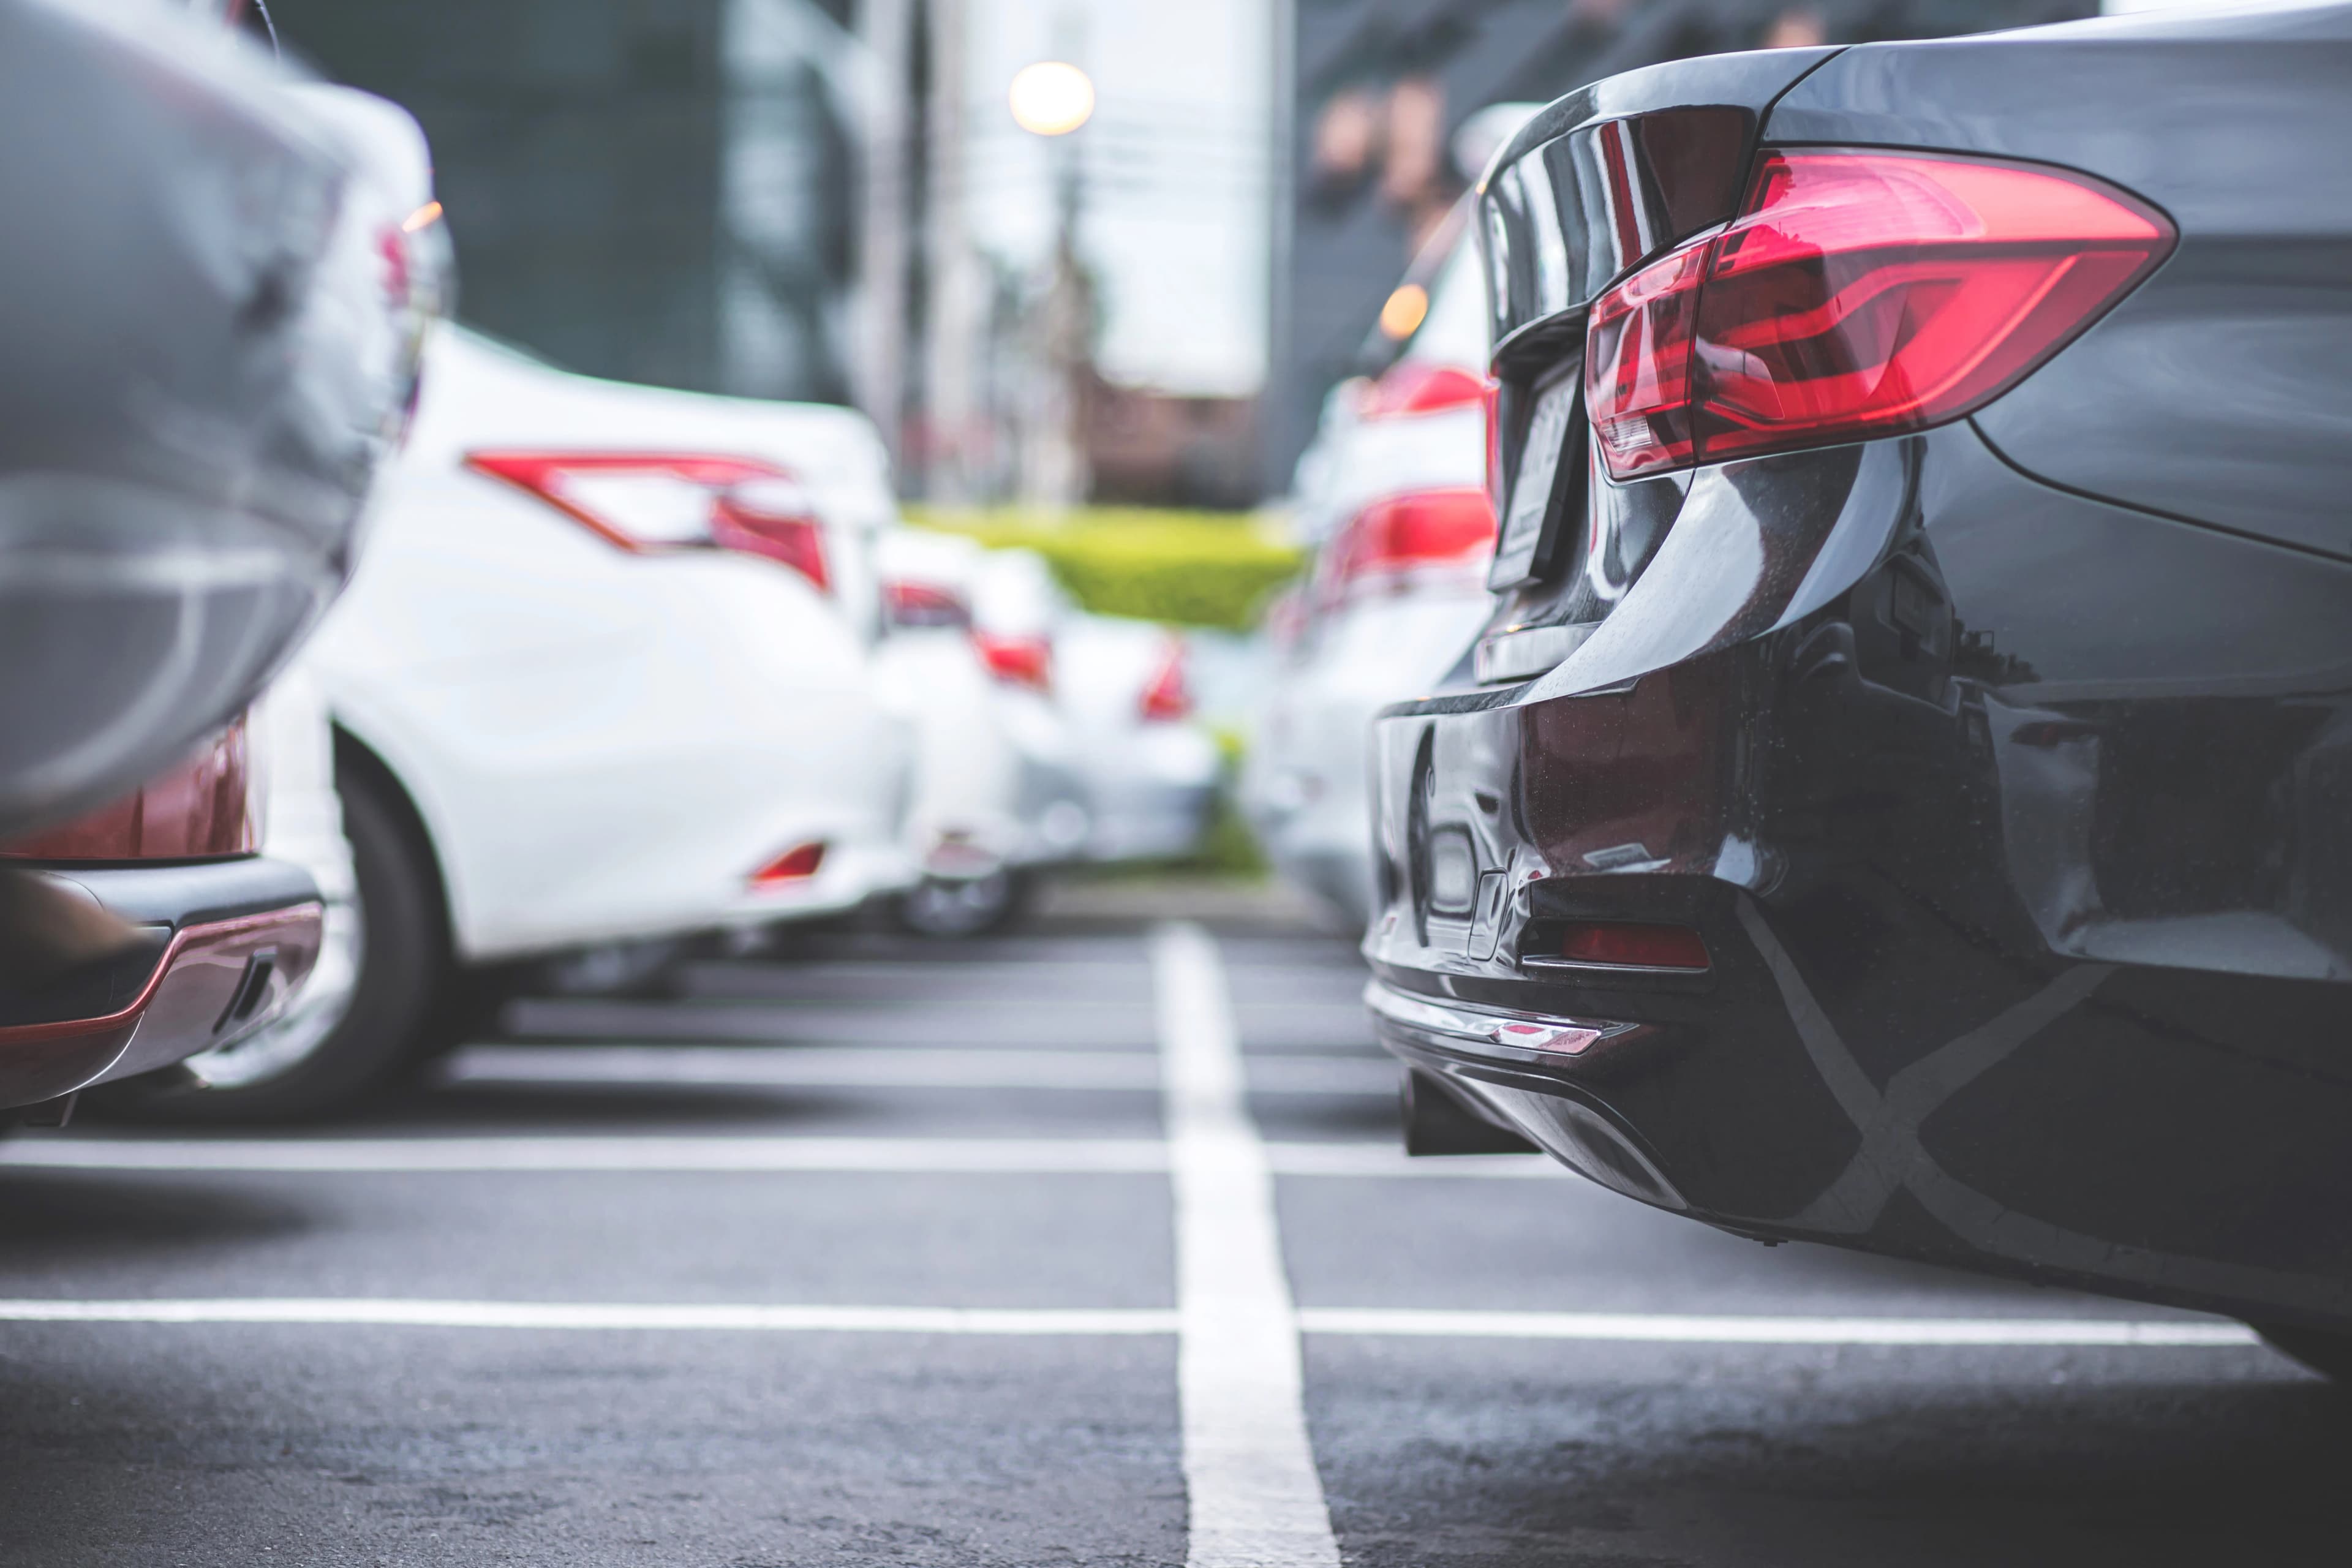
[2019, 830]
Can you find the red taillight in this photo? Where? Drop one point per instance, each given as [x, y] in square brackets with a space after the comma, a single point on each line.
[1392, 537]
[794, 865]
[1636, 946]
[205, 809]
[1859, 294]
[924, 605]
[1018, 661]
[1417, 386]
[772, 517]
[1167, 698]
[650, 502]
[1637, 360]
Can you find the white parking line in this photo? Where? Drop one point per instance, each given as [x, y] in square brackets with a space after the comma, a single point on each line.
[399, 1312]
[1021, 1156]
[649, 1154]
[1255, 1500]
[1679, 1329]
[887, 1066]
[1353, 1321]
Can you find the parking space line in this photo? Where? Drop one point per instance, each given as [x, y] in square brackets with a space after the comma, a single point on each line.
[395, 1311]
[1345, 1321]
[1254, 1497]
[888, 1066]
[1686, 1329]
[1017, 1156]
[686, 1155]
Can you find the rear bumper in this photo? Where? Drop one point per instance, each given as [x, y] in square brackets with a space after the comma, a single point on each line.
[219, 947]
[2011, 824]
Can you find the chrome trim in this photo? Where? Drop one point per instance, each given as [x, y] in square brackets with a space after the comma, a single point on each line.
[1578, 965]
[1496, 1033]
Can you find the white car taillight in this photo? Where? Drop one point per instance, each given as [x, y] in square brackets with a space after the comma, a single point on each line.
[650, 502]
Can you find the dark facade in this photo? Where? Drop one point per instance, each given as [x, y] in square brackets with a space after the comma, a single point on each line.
[591, 157]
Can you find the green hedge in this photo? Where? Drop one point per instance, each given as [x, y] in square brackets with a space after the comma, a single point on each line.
[1191, 568]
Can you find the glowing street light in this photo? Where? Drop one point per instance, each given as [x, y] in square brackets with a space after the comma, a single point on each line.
[1052, 98]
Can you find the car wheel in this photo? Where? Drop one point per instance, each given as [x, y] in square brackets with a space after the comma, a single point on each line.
[973, 905]
[2323, 1351]
[403, 976]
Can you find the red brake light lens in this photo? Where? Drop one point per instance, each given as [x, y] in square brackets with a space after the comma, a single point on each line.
[1393, 536]
[924, 605]
[1018, 661]
[1858, 294]
[794, 865]
[647, 503]
[1167, 698]
[1636, 946]
[1417, 386]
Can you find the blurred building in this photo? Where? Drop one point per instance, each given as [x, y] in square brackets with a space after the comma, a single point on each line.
[656, 190]
[1377, 89]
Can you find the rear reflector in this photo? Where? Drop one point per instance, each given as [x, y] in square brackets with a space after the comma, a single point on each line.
[1018, 661]
[1633, 946]
[1858, 294]
[1166, 697]
[794, 865]
[649, 502]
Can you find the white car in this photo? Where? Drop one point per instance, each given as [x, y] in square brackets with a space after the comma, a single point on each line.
[605, 672]
[1393, 494]
[1152, 774]
[1146, 775]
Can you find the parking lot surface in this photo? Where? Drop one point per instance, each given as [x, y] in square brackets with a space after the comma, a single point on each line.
[1090, 1247]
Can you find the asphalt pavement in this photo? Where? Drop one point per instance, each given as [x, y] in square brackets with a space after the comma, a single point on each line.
[1089, 1246]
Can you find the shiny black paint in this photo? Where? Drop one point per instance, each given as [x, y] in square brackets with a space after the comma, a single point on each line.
[2217, 389]
[2011, 819]
[1594, 186]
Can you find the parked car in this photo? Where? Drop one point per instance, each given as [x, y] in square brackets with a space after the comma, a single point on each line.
[1898, 802]
[604, 674]
[974, 820]
[197, 391]
[1137, 778]
[1393, 494]
[1152, 774]
[143, 934]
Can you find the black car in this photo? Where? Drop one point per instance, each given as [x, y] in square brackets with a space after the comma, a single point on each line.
[1903, 798]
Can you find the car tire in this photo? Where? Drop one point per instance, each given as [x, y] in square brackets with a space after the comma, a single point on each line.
[962, 907]
[403, 985]
[2323, 1351]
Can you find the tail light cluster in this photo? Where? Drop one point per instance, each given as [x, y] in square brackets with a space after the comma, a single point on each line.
[1167, 696]
[1858, 294]
[1398, 535]
[647, 503]
[1421, 386]
[1018, 660]
[204, 809]
[911, 604]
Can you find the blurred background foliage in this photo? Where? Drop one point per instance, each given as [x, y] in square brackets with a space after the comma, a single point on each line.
[1186, 568]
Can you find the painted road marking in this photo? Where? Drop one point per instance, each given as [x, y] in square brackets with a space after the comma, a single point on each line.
[1349, 1322]
[888, 1066]
[912, 1156]
[1691, 1329]
[1254, 1497]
